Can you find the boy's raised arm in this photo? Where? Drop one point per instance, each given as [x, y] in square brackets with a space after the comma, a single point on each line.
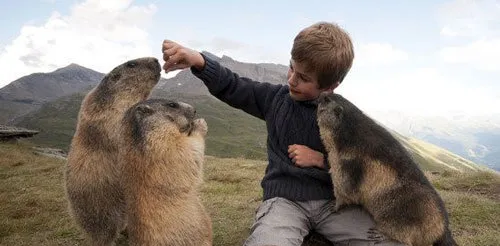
[239, 92]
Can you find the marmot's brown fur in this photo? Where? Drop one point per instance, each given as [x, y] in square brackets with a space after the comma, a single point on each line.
[92, 172]
[371, 168]
[162, 153]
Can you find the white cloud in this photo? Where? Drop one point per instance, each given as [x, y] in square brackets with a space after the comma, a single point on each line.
[483, 54]
[419, 91]
[272, 50]
[476, 25]
[375, 54]
[470, 18]
[96, 34]
[367, 54]
[240, 51]
[448, 31]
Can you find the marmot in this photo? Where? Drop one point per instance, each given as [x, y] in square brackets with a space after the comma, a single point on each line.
[371, 168]
[92, 172]
[162, 154]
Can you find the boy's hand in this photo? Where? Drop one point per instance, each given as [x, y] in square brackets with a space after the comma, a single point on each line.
[177, 56]
[303, 156]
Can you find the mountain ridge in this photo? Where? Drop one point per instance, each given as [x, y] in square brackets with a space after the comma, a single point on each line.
[29, 92]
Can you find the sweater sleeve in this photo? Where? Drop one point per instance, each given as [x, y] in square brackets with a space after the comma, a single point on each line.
[243, 93]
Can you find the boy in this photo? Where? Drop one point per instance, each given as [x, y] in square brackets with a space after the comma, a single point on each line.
[297, 188]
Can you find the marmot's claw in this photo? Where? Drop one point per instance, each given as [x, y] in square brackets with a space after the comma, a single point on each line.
[375, 234]
[200, 125]
[339, 204]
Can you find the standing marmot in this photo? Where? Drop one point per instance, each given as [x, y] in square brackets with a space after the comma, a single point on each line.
[92, 174]
[371, 168]
[162, 154]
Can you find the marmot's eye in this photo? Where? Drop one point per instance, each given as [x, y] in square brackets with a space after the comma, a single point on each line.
[131, 64]
[173, 105]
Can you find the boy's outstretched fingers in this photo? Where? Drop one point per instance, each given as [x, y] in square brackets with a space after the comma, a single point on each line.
[167, 54]
[172, 55]
[171, 60]
[177, 57]
[169, 48]
[166, 45]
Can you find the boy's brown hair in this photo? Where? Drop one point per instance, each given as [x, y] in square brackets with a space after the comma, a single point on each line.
[325, 49]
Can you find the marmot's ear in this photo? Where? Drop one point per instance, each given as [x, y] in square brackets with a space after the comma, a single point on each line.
[144, 109]
[338, 111]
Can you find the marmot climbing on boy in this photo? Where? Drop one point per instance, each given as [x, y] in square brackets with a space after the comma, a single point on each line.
[92, 171]
[371, 168]
[162, 153]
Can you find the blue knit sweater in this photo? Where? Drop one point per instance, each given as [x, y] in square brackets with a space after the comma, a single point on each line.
[288, 122]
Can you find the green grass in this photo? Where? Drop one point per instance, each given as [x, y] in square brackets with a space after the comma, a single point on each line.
[33, 207]
[231, 132]
[480, 183]
[231, 194]
[32, 201]
[56, 122]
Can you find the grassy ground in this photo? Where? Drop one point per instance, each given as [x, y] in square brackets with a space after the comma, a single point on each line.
[33, 208]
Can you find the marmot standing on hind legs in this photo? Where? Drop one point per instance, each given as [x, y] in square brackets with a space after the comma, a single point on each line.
[371, 168]
[92, 172]
[162, 153]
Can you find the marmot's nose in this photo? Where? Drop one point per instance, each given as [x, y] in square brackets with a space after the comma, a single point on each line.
[324, 98]
[154, 64]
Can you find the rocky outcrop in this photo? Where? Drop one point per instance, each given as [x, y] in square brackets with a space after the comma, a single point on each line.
[9, 133]
[51, 152]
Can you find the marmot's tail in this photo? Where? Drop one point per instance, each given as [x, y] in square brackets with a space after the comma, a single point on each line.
[446, 240]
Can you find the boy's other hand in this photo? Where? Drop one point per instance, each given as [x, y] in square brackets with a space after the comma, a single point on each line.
[177, 56]
[303, 156]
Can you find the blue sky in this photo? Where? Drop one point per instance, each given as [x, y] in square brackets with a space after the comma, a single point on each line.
[420, 57]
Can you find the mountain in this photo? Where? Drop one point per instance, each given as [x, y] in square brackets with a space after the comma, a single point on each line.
[28, 93]
[232, 133]
[476, 138]
[433, 157]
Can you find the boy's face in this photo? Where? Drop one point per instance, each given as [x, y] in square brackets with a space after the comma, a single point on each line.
[303, 85]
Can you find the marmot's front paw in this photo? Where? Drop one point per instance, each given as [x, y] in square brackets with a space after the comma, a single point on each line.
[375, 234]
[200, 125]
[339, 204]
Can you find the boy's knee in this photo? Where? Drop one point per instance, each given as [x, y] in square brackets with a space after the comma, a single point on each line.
[356, 242]
[278, 222]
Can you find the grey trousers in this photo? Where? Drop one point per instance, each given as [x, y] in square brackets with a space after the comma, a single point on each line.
[282, 222]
